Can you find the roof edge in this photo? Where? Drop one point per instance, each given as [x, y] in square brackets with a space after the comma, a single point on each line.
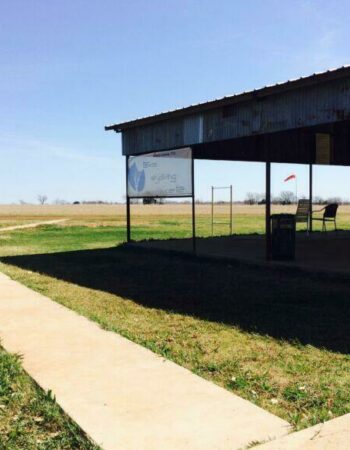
[309, 80]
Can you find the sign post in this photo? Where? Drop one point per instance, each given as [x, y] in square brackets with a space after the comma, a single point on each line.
[168, 174]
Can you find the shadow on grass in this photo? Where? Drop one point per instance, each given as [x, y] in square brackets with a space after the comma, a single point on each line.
[284, 305]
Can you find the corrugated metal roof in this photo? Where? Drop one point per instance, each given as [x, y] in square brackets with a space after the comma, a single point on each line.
[315, 78]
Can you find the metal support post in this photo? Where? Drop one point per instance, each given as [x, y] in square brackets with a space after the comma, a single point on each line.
[268, 211]
[128, 233]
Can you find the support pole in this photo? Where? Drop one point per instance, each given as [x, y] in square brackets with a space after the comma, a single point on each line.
[128, 234]
[212, 210]
[231, 209]
[310, 197]
[193, 209]
[268, 211]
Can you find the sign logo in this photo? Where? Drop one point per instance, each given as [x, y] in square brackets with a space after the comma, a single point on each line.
[137, 178]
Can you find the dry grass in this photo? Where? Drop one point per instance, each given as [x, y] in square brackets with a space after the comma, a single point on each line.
[112, 211]
[246, 218]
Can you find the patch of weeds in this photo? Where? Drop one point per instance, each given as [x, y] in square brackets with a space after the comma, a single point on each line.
[252, 386]
[169, 222]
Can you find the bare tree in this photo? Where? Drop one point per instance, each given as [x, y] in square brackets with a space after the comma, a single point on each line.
[149, 201]
[59, 201]
[42, 198]
[319, 200]
[335, 200]
[252, 198]
[287, 197]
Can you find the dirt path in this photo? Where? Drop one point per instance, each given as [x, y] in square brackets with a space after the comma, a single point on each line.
[32, 225]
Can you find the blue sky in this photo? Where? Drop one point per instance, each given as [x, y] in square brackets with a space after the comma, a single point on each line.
[70, 67]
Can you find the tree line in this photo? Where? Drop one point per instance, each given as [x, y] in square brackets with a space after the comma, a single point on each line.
[251, 198]
[288, 198]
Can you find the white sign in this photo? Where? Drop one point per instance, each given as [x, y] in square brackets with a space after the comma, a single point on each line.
[323, 148]
[162, 174]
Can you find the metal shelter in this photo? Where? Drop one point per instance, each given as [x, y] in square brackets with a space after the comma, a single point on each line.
[302, 121]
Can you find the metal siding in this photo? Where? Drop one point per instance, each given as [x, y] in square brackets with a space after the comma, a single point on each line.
[192, 129]
[319, 104]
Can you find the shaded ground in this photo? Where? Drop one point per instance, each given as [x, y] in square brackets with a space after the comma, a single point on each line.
[283, 305]
[328, 252]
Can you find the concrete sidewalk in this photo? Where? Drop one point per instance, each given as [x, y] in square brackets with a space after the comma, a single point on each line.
[121, 394]
[331, 435]
[32, 225]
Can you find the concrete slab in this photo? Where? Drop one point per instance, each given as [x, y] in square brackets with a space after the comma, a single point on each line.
[331, 435]
[318, 252]
[121, 394]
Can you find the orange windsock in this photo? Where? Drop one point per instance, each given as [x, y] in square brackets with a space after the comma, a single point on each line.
[291, 177]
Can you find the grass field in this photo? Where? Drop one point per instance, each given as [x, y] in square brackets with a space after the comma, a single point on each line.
[277, 339]
[153, 221]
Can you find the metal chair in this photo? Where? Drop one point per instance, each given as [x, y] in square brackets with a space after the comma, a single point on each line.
[303, 212]
[329, 215]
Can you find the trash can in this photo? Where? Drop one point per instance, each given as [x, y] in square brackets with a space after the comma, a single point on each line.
[283, 236]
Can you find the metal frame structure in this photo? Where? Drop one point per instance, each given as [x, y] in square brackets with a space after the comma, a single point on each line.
[130, 197]
[302, 121]
[213, 188]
